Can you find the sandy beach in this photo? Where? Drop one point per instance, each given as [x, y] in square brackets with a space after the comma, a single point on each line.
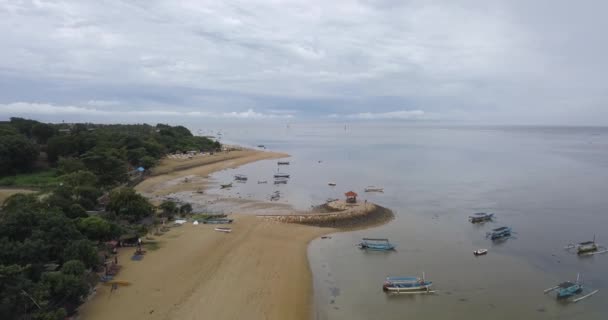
[259, 271]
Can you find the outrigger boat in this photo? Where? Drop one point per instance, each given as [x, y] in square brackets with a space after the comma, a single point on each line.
[331, 184]
[226, 230]
[499, 233]
[218, 221]
[480, 217]
[409, 285]
[377, 244]
[587, 248]
[281, 175]
[568, 290]
[240, 177]
[281, 181]
[227, 185]
[262, 181]
[373, 189]
[283, 163]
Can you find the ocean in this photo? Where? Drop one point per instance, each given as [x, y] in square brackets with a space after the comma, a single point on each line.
[548, 183]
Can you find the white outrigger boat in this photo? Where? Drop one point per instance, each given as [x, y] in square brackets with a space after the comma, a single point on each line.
[407, 285]
[587, 248]
[480, 252]
[221, 229]
[373, 189]
[331, 184]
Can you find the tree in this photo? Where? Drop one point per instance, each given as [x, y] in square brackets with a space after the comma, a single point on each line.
[73, 267]
[169, 208]
[147, 162]
[95, 228]
[69, 165]
[186, 208]
[107, 165]
[76, 211]
[17, 154]
[42, 132]
[126, 203]
[82, 250]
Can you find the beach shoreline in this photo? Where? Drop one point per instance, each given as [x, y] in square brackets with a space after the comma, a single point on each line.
[261, 266]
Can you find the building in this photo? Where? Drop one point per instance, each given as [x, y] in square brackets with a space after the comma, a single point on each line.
[351, 197]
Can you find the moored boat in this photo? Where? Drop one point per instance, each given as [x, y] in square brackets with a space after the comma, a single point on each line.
[331, 184]
[378, 244]
[281, 175]
[373, 189]
[221, 229]
[240, 177]
[227, 185]
[407, 285]
[283, 163]
[217, 221]
[480, 252]
[281, 180]
[499, 233]
[481, 216]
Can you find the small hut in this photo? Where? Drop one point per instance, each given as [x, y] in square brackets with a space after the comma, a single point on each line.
[351, 197]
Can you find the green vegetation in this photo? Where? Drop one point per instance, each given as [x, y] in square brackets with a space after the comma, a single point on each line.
[50, 247]
[39, 180]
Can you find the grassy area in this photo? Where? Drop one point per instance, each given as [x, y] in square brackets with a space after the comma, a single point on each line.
[40, 179]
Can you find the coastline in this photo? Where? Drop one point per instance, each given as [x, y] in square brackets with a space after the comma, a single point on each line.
[259, 271]
[262, 266]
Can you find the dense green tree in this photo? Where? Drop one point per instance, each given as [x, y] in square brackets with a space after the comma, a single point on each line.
[186, 208]
[82, 250]
[64, 289]
[169, 208]
[8, 130]
[42, 132]
[24, 126]
[107, 164]
[69, 165]
[95, 228]
[147, 162]
[76, 211]
[128, 204]
[17, 154]
[73, 267]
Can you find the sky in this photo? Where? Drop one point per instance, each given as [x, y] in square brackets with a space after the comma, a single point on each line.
[481, 62]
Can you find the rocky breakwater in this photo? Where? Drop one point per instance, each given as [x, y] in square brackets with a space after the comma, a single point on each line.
[338, 214]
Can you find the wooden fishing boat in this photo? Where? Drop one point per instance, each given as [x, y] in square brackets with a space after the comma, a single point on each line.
[376, 244]
[262, 181]
[225, 230]
[332, 184]
[283, 163]
[281, 181]
[218, 221]
[373, 189]
[227, 185]
[499, 233]
[480, 217]
[480, 252]
[588, 248]
[240, 177]
[407, 285]
[568, 290]
[281, 175]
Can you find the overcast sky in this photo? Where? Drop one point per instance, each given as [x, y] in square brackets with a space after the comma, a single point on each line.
[485, 61]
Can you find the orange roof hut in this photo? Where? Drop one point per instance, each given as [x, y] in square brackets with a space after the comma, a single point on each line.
[351, 197]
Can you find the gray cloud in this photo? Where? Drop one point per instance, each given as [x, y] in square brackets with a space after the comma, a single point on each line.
[493, 61]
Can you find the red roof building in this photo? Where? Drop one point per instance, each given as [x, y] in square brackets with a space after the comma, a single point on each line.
[351, 197]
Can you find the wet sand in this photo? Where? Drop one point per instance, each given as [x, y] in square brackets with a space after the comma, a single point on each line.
[161, 181]
[259, 271]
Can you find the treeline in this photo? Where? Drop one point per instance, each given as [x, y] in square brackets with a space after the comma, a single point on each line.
[51, 243]
[106, 150]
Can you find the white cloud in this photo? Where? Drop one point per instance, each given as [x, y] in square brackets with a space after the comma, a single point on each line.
[27, 109]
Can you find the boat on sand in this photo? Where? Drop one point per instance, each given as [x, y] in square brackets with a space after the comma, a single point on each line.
[225, 230]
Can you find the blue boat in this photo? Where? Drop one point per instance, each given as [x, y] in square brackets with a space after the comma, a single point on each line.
[378, 244]
[568, 289]
[481, 217]
[407, 285]
[499, 233]
[217, 221]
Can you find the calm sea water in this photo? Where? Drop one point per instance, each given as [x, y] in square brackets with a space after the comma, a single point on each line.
[549, 184]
